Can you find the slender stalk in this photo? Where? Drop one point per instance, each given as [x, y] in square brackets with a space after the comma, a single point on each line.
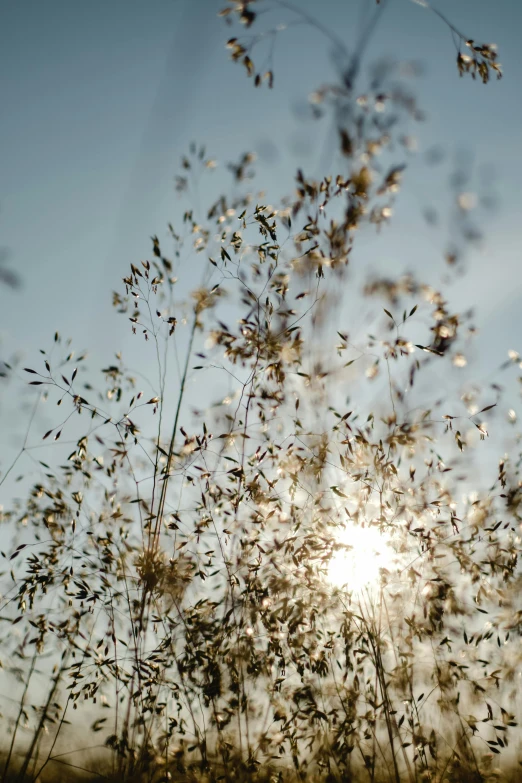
[19, 716]
[154, 533]
[41, 724]
[163, 495]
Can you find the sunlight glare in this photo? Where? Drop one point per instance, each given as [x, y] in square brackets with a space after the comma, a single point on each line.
[359, 567]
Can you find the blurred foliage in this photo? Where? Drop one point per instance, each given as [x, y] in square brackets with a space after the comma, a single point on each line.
[171, 575]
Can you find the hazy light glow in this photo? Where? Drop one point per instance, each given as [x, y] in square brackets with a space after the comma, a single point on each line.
[359, 567]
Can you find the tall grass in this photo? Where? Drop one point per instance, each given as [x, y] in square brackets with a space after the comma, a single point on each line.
[172, 590]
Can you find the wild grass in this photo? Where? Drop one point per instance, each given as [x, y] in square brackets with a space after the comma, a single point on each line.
[170, 592]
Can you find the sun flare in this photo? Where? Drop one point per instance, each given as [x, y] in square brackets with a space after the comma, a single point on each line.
[358, 566]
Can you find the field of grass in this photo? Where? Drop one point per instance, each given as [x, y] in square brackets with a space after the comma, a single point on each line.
[295, 557]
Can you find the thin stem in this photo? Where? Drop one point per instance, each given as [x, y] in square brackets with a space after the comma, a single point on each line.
[19, 716]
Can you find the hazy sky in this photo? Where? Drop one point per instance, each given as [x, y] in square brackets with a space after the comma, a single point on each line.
[100, 99]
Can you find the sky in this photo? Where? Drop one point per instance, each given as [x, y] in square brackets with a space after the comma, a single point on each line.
[99, 101]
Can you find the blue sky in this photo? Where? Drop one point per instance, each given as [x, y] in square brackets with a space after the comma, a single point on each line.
[101, 100]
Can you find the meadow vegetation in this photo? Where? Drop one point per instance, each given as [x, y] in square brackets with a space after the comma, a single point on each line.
[278, 563]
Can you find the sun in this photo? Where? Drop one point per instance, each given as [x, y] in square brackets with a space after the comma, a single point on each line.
[358, 566]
